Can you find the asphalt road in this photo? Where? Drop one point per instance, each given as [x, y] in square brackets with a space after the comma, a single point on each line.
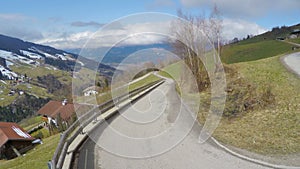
[293, 62]
[160, 129]
[87, 156]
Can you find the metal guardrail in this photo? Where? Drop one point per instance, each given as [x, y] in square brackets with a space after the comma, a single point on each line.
[76, 128]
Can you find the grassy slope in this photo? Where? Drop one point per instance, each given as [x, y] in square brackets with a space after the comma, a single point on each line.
[32, 72]
[273, 130]
[35, 158]
[267, 131]
[31, 122]
[253, 49]
[259, 47]
[5, 99]
[173, 70]
[31, 89]
[38, 157]
[297, 40]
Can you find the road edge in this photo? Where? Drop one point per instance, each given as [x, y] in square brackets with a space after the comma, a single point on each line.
[287, 66]
[256, 161]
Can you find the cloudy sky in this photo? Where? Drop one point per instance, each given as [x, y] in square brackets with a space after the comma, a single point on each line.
[70, 23]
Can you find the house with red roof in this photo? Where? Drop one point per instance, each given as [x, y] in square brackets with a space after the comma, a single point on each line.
[54, 108]
[14, 140]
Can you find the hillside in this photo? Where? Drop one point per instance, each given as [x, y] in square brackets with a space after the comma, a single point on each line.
[37, 73]
[260, 46]
[17, 51]
[13, 49]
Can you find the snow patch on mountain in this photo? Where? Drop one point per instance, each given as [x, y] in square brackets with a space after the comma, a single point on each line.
[9, 74]
[12, 57]
[62, 57]
[31, 55]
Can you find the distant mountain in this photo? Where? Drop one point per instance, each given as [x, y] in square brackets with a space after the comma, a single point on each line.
[117, 54]
[16, 45]
[16, 51]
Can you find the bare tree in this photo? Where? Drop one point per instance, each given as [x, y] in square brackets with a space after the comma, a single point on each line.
[215, 25]
[192, 34]
[190, 45]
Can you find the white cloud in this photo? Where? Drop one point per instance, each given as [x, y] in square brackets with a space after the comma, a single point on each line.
[240, 28]
[245, 8]
[13, 17]
[130, 34]
[65, 41]
[140, 34]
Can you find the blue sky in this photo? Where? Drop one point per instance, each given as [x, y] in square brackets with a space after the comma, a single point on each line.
[57, 22]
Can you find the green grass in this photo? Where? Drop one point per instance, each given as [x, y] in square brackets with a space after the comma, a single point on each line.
[168, 73]
[147, 80]
[274, 130]
[42, 133]
[297, 40]
[36, 158]
[5, 99]
[252, 49]
[34, 90]
[34, 72]
[172, 71]
[271, 130]
[31, 122]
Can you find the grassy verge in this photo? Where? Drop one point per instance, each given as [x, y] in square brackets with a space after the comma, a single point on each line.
[147, 80]
[268, 128]
[167, 75]
[172, 71]
[272, 130]
[35, 158]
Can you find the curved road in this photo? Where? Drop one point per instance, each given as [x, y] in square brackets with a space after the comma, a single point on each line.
[151, 115]
[293, 62]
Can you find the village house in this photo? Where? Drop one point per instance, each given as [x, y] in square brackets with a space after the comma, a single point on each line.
[53, 109]
[295, 33]
[14, 141]
[93, 90]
